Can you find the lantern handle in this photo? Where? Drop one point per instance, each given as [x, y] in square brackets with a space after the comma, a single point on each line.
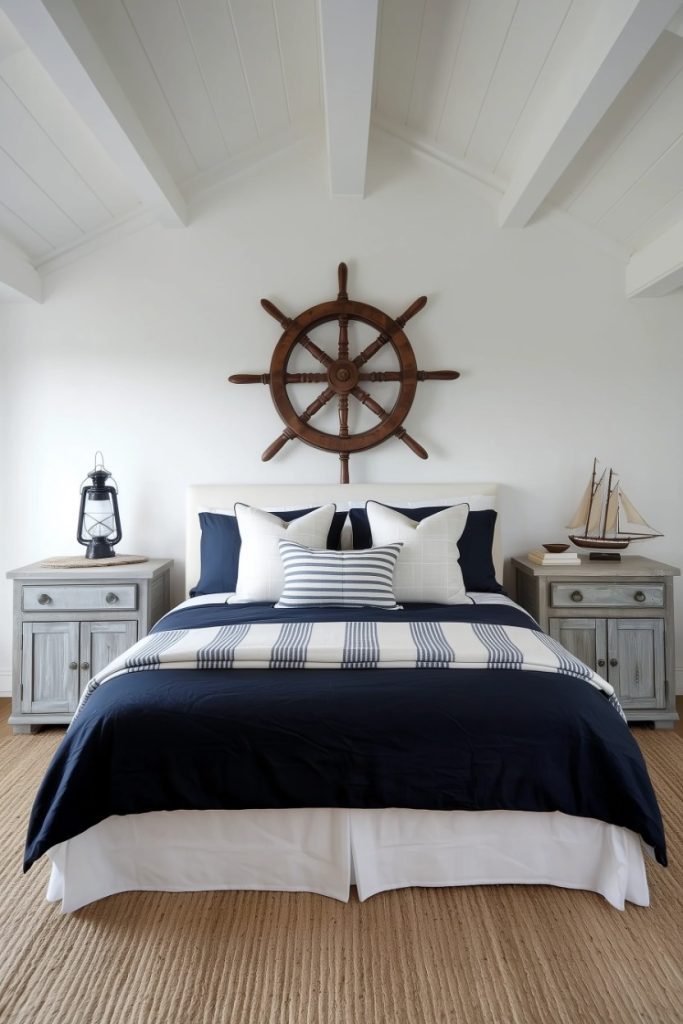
[103, 469]
[100, 467]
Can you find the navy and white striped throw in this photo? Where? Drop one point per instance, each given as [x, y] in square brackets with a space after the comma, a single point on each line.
[352, 579]
[352, 645]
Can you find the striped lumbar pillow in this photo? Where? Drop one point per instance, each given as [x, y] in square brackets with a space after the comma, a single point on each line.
[355, 579]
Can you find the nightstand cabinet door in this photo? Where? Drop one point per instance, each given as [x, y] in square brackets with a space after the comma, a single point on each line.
[636, 662]
[49, 674]
[585, 639]
[101, 642]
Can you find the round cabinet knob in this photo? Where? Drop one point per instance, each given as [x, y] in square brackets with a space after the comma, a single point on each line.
[576, 596]
[601, 662]
[639, 596]
[44, 599]
[85, 664]
[613, 662]
[111, 597]
[73, 664]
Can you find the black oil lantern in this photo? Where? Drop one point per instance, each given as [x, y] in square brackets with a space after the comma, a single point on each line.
[99, 526]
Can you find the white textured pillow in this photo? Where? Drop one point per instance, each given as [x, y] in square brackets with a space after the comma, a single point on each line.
[352, 579]
[476, 502]
[428, 568]
[259, 574]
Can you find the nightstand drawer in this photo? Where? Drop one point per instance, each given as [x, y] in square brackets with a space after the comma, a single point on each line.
[607, 595]
[83, 598]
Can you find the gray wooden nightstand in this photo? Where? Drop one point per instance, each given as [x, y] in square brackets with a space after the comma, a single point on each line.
[69, 624]
[617, 617]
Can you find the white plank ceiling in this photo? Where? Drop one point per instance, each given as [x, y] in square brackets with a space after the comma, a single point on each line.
[214, 83]
[57, 185]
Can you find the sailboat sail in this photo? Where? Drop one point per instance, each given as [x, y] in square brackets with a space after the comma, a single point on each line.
[612, 511]
[606, 518]
[581, 515]
[595, 517]
[632, 513]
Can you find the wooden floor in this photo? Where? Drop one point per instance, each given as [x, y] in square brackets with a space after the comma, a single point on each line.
[472, 955]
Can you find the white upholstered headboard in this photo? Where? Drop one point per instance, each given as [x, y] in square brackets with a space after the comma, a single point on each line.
[224, 496]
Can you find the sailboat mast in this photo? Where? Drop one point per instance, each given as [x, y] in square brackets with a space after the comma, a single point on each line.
[609, 493]
[590, 504]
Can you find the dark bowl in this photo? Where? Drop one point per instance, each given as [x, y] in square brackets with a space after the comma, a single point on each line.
[556, 548]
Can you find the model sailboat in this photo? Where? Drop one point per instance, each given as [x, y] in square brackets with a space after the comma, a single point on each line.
[609, 520]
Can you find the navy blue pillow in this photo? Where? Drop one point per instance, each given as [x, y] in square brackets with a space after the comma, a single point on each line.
[221, 543]
[475, 545]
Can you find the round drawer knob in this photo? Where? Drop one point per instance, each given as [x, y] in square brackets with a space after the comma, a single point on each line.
[85, 664]
[44, 599]
[613, 662]
[601, 662]
[576, 596]
[73, 664]
[639, 596]
[111, 597]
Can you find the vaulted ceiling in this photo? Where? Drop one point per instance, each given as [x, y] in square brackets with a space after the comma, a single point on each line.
[112, 110]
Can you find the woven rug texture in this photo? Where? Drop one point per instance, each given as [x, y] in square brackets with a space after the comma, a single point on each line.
[476, 955]
[81, 562]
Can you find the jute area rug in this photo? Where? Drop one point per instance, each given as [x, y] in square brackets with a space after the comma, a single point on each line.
[503, 954]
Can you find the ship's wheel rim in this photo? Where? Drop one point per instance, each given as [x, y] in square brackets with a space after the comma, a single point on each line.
[309, 320]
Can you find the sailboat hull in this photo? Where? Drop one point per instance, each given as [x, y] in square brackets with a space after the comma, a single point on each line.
[600, 543]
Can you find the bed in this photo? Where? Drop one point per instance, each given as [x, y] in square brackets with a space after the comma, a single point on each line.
[245, 746]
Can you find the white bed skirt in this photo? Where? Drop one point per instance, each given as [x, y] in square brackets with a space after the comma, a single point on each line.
[325, 850]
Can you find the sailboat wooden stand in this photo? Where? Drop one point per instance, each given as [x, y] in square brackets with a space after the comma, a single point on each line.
[603, 511]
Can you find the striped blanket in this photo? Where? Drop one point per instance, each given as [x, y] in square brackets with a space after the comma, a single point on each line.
[351, 645]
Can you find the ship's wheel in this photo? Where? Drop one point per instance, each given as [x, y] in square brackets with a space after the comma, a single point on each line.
[342, 376]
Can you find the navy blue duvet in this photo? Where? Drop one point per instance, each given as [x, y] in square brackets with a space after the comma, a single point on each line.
[469, 739]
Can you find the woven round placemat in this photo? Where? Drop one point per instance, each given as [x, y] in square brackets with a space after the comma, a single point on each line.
[81, 562]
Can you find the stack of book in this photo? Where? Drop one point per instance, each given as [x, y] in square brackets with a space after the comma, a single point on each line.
[541, 557]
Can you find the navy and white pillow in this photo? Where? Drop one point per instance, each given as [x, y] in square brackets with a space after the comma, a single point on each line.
[351, 579]
[221, 545]
[475, 545]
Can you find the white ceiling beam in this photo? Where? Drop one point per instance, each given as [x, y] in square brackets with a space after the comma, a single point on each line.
[622, 34]
[676, 24]
[657, 268]
[17, 273]
[60, 39]
[348, 31]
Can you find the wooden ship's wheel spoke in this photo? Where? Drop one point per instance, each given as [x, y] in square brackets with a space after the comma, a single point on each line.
[288, 435]
[303, 339]
[365, 399]
[385, 375]
[383, 339]
[343, 376]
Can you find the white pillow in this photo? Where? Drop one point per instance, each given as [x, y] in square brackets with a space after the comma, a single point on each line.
[352, 579]
[428, 568]
[476, 502]
[340, 506]
[259, 574]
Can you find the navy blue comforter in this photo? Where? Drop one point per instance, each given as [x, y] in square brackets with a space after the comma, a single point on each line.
[472, 739]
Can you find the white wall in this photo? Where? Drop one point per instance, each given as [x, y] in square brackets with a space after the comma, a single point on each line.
[131, 350]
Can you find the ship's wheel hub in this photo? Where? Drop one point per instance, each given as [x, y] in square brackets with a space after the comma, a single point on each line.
[342, 375]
